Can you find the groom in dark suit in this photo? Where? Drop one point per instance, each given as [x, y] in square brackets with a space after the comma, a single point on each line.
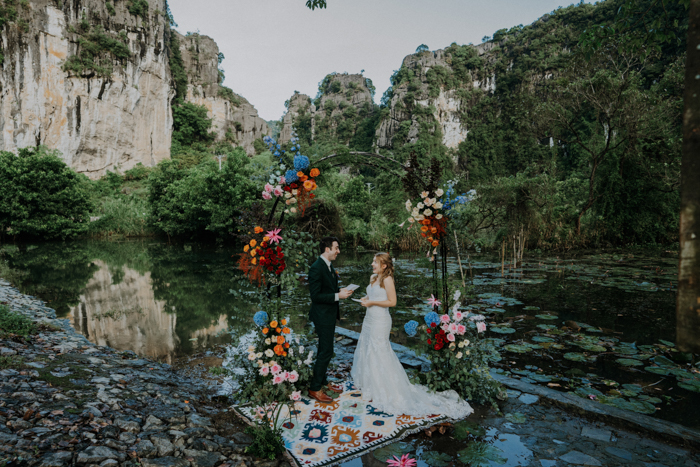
[325, 309]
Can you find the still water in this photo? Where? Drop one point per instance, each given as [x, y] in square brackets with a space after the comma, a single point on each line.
[590, 323]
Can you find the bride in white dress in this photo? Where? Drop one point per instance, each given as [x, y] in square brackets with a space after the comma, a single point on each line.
[376, 369]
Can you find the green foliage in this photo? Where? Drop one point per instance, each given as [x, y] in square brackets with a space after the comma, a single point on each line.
[42, 197]
[177, 69]
[15, 323]
[96, 52]
[422, 48]
[229, 95]
[259, 146]
[192, 202]
[138, 8]
[267, 443]
[110, 8]
[191, 124]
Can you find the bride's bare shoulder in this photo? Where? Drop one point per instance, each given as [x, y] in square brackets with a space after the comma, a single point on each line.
[388, 280]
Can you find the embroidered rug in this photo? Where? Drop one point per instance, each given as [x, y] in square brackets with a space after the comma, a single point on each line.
[324, 434]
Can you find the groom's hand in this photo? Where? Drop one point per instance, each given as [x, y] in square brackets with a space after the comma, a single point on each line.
[344, 293]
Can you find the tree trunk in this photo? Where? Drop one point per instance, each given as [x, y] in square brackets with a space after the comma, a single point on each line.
[688, 302]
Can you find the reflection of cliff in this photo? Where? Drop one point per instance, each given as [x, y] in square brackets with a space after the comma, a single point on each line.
[126, 315]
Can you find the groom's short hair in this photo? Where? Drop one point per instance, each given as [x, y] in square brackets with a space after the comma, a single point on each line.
[327, 242]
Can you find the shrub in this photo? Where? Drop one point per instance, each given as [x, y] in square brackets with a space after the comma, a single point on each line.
[15, 323]
[139, 8]
[41, 195]
[191, 124]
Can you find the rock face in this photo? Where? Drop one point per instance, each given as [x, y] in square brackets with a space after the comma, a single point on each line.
[446, 103]
[234, 118]
[99, 121]
[298, 103]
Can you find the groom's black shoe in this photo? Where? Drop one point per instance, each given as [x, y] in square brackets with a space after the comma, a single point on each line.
[336, 388]
[320, 396]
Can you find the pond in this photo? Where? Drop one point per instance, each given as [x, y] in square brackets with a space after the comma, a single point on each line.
[601, 325]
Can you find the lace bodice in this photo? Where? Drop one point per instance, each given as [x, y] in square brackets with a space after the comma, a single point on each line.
[376, 292]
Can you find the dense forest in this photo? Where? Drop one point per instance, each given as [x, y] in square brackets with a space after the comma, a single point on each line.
[566, 145]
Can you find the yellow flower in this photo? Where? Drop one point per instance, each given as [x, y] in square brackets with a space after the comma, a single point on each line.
[253, 242]
[252, 253]
[266, 239]
[246, 248]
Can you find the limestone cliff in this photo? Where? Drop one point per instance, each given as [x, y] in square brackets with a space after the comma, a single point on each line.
[89, 78]
[298, 104]
[421, 84]
[234, 118]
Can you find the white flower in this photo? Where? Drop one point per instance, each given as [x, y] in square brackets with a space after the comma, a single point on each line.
[419, 217]
[420, 206]
[260, 363]
[459, 355]
[295, 192]
[428, 212]
[461, 345]
[286, 211]
[268, 341]
[251, 356]
[251, 348]
[287, 195]
[258, 355]
[438, 216]
[293, 210]
[452, 346]
[269, 353]
[438, 205]
[298, 362]
[411, 220]
[424, 194]
[457, 294]
[428, 201]
[301, 349]
[291, 352]
[311, 354]
[439, 192]
[467, 352]
[466, 343]
[415, 212]
[409, 206]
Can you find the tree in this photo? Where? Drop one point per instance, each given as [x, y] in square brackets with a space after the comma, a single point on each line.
[422, 48]
[313, 4]
[688, 300]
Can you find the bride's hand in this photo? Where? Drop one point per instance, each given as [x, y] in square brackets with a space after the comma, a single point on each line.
[364, 301]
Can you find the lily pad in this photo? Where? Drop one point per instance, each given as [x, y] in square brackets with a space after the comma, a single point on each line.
[659, 370]
[576, 357]
[542, 339]
[516, 417]
[670, 344]
[479, 454]
[547, 316]
[531, 308]
[502, 329]
[436, 459]
[516, 348]
[546, 327]
[466, 428]
[393, 449]
[690, 385]
[629, 362]
[663, 361]
[593, 348]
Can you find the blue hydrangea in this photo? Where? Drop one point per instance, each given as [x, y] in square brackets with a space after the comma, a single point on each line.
[411, 327]
[260, 318]
[291, 176]
[431, 318]
[301, 162]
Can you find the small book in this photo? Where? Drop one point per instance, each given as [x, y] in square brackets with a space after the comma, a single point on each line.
[352, 287]
[356, 300]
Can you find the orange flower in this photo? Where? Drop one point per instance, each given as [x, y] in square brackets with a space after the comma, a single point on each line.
[253, 242]
[252, 253]
[286, 330]
[266, 239]
[435, 243]
[280, 339]
[300, 174]
[279, 349]
[433, 230]
[254, 261]
[284, 354]
[303, 178]
[315, 186]
[278, 331]
[424, 229]
[258, 230]
[265, 330]
[246, 248]
[424, 235]
[283, 322]
[286, 346]
[315, 172]
[308, 185]
[273, 324]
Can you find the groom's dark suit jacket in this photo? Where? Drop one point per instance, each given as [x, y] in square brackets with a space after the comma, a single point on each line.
[323, 285]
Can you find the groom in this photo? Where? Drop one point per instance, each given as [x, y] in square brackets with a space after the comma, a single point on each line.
[325, 309]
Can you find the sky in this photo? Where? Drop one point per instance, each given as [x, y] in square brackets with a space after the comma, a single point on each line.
[274, 47]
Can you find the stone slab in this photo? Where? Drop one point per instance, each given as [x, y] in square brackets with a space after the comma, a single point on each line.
[595, 433]
[579, 458]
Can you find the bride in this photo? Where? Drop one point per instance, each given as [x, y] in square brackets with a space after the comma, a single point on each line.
[376, 369]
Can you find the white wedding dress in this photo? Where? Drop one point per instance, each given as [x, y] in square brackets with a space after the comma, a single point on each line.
[377, 372]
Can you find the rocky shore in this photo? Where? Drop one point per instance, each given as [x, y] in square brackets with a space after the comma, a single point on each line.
[65, 401]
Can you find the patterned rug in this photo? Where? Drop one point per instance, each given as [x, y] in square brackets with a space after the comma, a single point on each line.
[324, 434]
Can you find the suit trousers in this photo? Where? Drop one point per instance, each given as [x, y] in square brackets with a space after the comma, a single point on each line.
[325, 333]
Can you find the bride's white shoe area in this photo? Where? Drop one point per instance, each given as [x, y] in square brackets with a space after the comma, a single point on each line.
[378, 373]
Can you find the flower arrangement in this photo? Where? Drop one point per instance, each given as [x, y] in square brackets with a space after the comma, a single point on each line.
[261, 257]
[275, 365]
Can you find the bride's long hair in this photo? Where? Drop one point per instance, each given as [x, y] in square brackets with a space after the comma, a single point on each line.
[383, 259]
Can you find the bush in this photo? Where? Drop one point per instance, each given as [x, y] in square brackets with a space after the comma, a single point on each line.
[41, 195]
[15, 323]
[191, 124]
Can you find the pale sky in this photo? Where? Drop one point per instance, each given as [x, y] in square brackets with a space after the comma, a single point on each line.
[274, 47]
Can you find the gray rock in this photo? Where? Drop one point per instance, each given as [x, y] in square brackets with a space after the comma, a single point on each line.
[203, 458]
[128, 424]
[146, 449]
[127, 437]
[579, 458]
[110, 443]
[5, 351]
[528, 399]
[96, 454]
[24, 396]
[164, 446]
[242, 438]
[202, 444]
[56, 459]
[110, 431]
[152, 422]
[165, 462]
[109, 463]
[621, 453]
[6, 438]
[194, 420]
[93, 411]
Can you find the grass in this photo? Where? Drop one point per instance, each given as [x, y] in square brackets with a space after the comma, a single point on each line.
[77, 372]
[15, 323]
[12, 361]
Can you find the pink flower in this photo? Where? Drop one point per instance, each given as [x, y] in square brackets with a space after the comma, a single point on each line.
[293, 376]
[283, 180]
[278, 379]
[275, 369]
[405, 461]
[434, 302]
[445, 319]
[278, 191]
[450, 337]
[452, 327]
[268, 188]
[461, 329]
[274, 235]
[592, 397]
[295, 396]
[264, 371]
[458, 316]
[481, 326]
[266, 195]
